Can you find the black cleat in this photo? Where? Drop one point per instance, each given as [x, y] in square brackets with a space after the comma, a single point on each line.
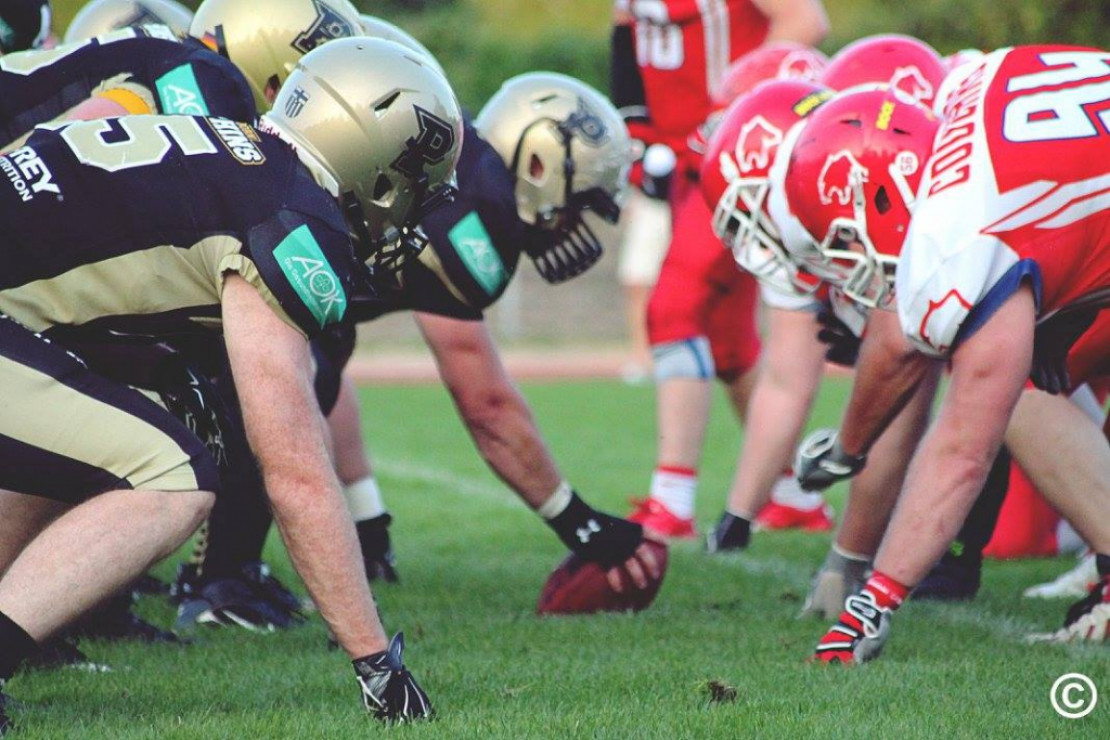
[377, 551]
[953, 578]
[252, 599]
[115, 621]
[62, 652]
[731, 534]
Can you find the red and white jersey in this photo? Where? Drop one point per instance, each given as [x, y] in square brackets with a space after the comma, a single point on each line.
[683, 49]
[1017, 190]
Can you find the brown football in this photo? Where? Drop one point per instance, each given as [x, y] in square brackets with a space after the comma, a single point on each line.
[580, 587]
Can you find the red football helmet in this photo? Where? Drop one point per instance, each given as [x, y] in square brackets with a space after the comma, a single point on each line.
[911, 67]
[735, 181]
[779, 60]
[851, 179]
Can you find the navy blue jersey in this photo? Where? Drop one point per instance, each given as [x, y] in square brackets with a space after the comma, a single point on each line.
[148, 64]
[474, 244]
[127, 225]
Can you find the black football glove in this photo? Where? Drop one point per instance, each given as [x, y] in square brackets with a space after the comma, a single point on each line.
[389, 691]
[594, 536]
[377, 551]
[842, 344]
[821, 462]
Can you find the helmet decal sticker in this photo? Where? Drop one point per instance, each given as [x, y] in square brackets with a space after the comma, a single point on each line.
[838, 176]
[328, 25]
[757, 143]
[434, 142]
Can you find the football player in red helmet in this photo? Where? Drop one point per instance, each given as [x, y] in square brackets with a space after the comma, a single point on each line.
[701, 313]
[999, 273]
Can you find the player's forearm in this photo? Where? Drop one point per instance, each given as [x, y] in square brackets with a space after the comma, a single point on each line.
[316, 527]
[887, 374]
[510, 442]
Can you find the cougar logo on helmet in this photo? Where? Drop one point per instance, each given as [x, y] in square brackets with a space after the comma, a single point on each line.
[328, 25]
[801, 65]
[434, 142]
[840, 173]
[757, 143]
[587, 123]
[909, 83]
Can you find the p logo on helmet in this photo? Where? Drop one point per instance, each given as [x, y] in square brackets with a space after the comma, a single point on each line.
[434, 141]
[329, 25]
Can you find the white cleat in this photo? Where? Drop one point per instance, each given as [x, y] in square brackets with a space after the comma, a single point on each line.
[1069, 585]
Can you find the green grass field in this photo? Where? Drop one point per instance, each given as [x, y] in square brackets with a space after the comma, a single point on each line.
[472, 561]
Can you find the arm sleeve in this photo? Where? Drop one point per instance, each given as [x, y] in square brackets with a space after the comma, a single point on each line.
[302, 268]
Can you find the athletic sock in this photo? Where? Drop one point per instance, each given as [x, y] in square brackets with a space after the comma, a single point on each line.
[887, 592]
[788, 492]
[674, 487]
[15, 646]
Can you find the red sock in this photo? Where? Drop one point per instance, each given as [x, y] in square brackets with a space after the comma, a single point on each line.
[888, 593]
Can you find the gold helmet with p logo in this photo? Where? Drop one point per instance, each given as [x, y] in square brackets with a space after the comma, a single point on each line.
[102, 16]
[265, 39]
[381, 130]
[570, 152]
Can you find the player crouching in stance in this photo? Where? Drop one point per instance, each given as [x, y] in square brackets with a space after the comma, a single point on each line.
[545, 154]
[158, 227]
[1002, 243]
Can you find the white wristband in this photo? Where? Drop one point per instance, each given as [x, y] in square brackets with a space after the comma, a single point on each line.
[557, 502]
[364, 499]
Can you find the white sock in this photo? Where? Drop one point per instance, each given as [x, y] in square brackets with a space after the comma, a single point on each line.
[787, 492]
[675, 489]
[364, 499]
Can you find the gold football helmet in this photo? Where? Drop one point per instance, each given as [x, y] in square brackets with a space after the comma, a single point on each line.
[570, 152]
[101, 16]
[265, 39]
[379, 28]
[381, 130]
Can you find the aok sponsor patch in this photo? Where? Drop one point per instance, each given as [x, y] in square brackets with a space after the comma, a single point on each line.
[299, 256]
[475, 249]
[240, 139]
[180, 94]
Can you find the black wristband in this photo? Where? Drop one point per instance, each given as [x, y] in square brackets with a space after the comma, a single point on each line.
[595, 536]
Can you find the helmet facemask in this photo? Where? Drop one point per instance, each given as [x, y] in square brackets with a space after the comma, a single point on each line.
[571, 247]
[754, 239]
[847, 257]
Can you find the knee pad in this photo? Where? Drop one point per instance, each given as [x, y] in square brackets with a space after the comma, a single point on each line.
[687, 358]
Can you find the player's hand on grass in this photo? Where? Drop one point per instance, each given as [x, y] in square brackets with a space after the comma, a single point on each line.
[859, 634]
[389, 691]
[839, 577]
[821, 461]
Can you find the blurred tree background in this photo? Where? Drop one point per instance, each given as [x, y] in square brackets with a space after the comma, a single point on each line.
[482, 42]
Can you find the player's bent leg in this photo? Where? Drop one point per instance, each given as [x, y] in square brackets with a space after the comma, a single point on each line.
[22, 517]
[138, 480]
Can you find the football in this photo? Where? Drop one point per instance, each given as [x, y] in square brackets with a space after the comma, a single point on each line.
[580, 587]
